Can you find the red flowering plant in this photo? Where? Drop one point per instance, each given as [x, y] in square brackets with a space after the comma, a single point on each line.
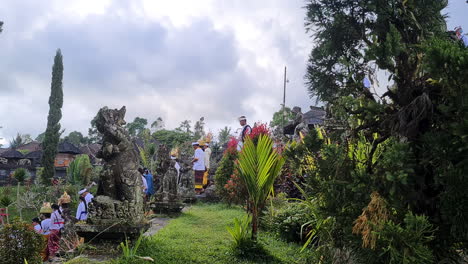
[236, 190]
[257, 130]
[231, 146]
[226, 169]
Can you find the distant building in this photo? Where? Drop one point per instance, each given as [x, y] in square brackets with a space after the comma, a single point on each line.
[11, 159]
[316, 116]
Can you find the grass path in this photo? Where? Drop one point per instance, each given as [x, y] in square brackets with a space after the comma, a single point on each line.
[200, 236]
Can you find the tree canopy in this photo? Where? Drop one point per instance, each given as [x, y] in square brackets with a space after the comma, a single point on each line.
[394, 140]
[52, 133]
[137, 126]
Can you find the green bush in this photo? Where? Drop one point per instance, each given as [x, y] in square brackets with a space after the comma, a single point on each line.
[287, 221]
[20, 242]
[407, 243]
[224, 172]
[20, 174]
[240, 232]
[80, 170]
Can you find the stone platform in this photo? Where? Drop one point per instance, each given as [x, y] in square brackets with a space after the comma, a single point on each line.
[117, 233]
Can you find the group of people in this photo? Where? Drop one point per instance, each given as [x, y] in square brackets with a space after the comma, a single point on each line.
[147, 183]
[201, 164]
[53, 219]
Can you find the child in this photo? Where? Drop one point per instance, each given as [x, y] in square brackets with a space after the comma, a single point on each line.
[37, 225]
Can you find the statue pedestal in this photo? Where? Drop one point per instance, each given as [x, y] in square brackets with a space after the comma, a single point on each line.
[167, 207]
[115, 233]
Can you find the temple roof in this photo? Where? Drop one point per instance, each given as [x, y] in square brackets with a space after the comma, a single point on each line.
[34, 155]
[67, 147]
[12, 154]
[315, 116]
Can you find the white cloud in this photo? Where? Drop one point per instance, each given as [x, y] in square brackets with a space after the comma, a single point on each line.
[175, 59]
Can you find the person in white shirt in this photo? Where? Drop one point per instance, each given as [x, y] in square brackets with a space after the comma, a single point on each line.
[144, 183]
[246, 130]
[82, 210]
[56, 224]
[198, 166]
[37, 225]
[85, 198]
[207, 150]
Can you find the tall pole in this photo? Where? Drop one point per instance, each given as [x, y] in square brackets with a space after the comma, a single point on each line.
[284, 96]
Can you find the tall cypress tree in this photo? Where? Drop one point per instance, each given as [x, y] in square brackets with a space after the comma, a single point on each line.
[52, 134]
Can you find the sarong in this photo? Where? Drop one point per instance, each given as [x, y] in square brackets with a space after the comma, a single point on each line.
[205, 177]
[45, 252]
[199, 179]
[53, 244]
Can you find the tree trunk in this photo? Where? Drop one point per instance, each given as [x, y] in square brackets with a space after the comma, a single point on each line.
[17, 201]
[254, 224]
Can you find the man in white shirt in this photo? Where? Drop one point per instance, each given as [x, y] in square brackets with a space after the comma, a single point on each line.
[198, 166]
[85, 199]
[207, 150]
[246, 130]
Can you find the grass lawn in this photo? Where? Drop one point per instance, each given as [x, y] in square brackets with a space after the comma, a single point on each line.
[200, 236]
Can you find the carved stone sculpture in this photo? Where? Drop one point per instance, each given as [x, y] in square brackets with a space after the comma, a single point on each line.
[186, 179]
[299, 123]
[167, 198]
[168, 191]
[3, 161]
[24, 162]
[119, 198]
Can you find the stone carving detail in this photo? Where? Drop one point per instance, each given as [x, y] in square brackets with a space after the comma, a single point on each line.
[3, 161]
[169, 188]
[24, 162]
[299, 123]
[167, 197]
[119, 197]
[186, 179]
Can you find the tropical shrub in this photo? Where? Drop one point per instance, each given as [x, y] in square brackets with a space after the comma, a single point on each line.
[20, 242]
[407, 242]
[240, 232]
[286, 221]
[237, 192]
[259, 165]
[20, 175]
[80, 170]
[226, 169]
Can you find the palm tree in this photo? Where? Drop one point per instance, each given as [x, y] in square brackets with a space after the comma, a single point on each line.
[259, 165]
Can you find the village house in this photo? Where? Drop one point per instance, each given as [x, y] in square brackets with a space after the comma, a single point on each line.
[29, 157]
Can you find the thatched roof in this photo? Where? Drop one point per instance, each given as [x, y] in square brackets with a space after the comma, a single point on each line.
[31, 146]
[12, 154]
[67, 147]
[315, 116]
[34, 155]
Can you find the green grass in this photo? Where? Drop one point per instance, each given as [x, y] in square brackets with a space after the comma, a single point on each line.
[200, 236]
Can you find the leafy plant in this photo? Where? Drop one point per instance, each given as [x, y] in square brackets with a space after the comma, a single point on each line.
[130, 252]
[20, 242]
[240, 232]
[20, 175]
[408, 242]
[225, 170]
[80, 170]
[259, 165]
[287, 221]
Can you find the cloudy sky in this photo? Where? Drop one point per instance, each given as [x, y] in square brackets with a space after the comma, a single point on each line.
[175, 59]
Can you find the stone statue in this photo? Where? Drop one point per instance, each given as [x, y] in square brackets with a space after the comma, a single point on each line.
[299, 123]
[167, 198]
[24, 162]
[186, 179]
[119, 196]
[169, 188]
[162, 165]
